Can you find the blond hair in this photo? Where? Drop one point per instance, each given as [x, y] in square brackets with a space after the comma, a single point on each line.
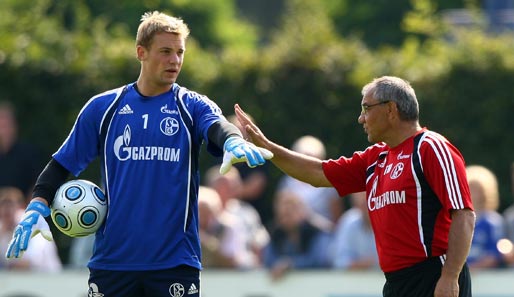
[157, 22]
[486, 180]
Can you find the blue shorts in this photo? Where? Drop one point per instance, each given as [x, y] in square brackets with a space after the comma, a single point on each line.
[181, 281]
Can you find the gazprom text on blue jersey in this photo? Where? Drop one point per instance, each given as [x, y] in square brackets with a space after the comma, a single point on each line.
[149, 153]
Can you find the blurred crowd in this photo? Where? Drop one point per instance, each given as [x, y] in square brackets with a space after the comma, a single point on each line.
[306, 227]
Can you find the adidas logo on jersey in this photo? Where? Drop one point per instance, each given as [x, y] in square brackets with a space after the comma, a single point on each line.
[126, 110]
[192, 289]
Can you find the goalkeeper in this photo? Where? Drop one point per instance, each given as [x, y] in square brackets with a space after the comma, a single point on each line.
[148, 136]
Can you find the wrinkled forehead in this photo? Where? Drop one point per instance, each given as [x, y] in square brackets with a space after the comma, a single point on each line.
[368, 98]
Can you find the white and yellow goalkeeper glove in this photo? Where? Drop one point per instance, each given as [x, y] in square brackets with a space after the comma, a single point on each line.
[237, 150]
[32, 223]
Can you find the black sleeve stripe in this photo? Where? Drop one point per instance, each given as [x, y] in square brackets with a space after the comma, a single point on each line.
[220, 131]
[50, 179]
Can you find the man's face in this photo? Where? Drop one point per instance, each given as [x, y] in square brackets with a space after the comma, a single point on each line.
[162, 61]
[373, 119]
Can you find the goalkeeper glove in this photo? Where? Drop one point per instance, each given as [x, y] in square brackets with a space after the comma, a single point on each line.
[239, 150]
[32, 223]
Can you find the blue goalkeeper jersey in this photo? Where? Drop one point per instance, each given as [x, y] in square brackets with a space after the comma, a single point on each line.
[148, 147]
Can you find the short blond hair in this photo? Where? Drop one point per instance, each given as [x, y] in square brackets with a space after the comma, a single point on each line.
[488, 182]
[157, 22]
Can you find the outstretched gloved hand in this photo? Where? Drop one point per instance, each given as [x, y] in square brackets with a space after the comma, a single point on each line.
[237, 150]
[32, 223]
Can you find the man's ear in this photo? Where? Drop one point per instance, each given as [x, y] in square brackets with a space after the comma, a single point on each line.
[392, 109]
[141, 52]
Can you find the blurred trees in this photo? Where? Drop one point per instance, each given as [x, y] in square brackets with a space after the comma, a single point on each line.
[296, 65]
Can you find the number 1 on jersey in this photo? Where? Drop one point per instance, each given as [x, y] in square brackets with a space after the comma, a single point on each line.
[145, 120]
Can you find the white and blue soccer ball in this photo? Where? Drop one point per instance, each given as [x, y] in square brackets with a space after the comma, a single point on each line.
[79, 208]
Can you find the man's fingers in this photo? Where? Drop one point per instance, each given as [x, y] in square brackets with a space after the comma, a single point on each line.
[225, 167]
[246, 123]
[228, 160]
[26, 235]
[253, 157]
[11, 248]
[241, 115]
[15, 250]
[43, 228]
[226, 164]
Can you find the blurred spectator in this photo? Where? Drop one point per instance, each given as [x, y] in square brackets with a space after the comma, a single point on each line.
[41, 254]
[254, 182]
[247, 220]
[508, 214]
[20, 162]
[489, 226]
[354, 241]
[323, 201]
[221, 243]
[299, 238]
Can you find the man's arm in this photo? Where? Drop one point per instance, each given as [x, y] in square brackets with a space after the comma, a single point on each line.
[459, 242]
[50, 179]
[220, 131]
[302, 167]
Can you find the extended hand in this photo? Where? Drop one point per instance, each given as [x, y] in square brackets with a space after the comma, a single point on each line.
[250, 128]
[239, 150]
[32, 223]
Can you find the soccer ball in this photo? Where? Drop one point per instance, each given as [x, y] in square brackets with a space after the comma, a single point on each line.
[79, 208]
